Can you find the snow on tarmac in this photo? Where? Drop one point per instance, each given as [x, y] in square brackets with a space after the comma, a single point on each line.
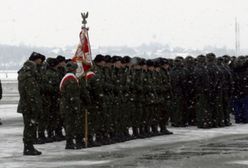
[54, 154]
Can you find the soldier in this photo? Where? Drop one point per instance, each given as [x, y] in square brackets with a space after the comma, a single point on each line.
[30, 102]
[109, 99]
[203, 116]
[139, 97]
[118, 113]
[158, 98]
[166, 92]
[128, 96]
[190, 91]
[215, 91]
[178, 81]
[52, 90]
[41, 139]
[61, 73]
[70, 105]
[1, 92]
[85, 103]
[226, 90]
[239, 67]
[96, 109]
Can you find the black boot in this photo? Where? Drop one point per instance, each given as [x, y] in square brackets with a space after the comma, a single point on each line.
[154, 130]
[30, 150]
[79, 142]
[135, 132]
[166, 132]
[50, 137]
[70, 144]
[59, 135]
[41, 138]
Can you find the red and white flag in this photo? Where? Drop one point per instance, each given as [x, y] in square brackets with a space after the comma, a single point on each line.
[83, 56]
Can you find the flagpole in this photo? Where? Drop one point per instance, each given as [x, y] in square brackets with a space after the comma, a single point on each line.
[86, 129]
[84, 22]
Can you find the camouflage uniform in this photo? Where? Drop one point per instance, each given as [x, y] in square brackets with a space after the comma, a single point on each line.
[29, 104]
[178, 81]
[52, 82]
[70, 107]
[215, 91]
[203, 116]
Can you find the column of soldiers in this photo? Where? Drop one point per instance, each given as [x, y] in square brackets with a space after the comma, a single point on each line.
[127, 98]
[206, 90]
[38, 85]
[124, 96]
[1, 93]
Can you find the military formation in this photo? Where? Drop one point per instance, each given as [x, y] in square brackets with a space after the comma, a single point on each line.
[1, 93]
[124, 98]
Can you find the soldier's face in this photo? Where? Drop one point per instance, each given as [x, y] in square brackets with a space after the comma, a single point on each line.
[151, 68]
[38, 61]
[62, 64]
[166, 66]
[118, 64]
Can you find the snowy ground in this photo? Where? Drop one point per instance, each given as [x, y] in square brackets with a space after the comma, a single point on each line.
[187, 147]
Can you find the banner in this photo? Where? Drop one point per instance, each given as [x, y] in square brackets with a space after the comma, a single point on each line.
[83, 56]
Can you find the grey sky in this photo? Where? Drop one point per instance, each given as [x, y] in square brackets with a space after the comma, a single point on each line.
[185, 23]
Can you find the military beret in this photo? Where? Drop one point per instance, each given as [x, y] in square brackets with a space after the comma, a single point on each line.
[60, 58]
[71, 66]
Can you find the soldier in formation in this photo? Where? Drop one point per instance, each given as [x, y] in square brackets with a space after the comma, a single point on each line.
[125, 98]
[1, 93]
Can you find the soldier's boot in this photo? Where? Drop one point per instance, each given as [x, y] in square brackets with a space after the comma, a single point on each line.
[30, 150]
[99, 139]
[141, 132]
[164, 130]
[135, 132]
[147, 131]
[41, 138]
[59, 135]
[70, 144]
[154, 130]
[127, 136]
[80, 142]
[92, 143]
[121, 136]
[50, 137]
[106, 140]
[112, 137]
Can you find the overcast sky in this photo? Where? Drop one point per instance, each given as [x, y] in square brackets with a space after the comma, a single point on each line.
[185, 23]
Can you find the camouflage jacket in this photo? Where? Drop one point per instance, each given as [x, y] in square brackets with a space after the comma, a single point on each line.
[30, 99]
